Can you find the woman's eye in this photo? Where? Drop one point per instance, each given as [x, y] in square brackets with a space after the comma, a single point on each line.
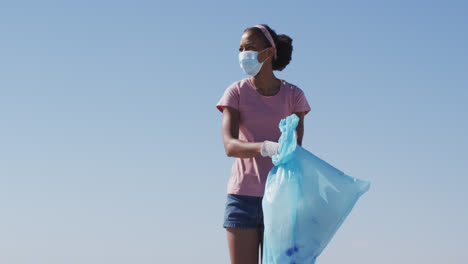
[247, 48]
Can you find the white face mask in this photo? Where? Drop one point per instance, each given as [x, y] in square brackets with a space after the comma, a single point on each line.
[249, 63]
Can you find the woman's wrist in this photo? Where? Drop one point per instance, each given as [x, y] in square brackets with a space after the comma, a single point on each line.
[269, 148]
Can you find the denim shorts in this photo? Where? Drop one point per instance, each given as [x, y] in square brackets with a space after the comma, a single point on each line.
[243, 211]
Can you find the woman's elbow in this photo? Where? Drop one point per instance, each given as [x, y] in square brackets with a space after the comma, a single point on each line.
[228, 152]
[228, 149]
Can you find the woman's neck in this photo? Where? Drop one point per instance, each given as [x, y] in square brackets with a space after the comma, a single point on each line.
[266, 83]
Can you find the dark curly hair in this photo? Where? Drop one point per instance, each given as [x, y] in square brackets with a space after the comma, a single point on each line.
[283, 46]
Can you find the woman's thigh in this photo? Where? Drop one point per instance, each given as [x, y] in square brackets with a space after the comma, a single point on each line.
[243, 245]
[261, 244]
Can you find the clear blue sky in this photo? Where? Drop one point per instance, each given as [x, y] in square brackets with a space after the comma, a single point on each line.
[110, 141]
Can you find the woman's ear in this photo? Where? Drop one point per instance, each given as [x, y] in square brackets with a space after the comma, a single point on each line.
[268, 53]
[272, 50]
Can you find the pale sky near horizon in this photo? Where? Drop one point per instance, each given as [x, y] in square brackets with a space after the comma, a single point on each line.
[110, 141]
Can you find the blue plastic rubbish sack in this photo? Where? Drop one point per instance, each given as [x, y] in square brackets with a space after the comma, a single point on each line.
[305, 201]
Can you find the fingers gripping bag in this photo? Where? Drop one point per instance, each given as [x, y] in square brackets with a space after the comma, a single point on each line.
[305, 201]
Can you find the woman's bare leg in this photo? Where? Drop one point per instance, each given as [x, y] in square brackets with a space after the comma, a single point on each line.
[261, 245]
[243, 245]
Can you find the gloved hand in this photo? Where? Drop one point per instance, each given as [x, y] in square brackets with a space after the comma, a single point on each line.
[269, 148]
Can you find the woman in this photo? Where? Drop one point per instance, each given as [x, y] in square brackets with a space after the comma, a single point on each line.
[252, 109]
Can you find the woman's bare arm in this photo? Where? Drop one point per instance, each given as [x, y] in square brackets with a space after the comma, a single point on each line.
[230, 130]
[242, 149]
[300, 127]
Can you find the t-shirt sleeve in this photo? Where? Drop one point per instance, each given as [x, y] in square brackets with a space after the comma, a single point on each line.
[229, 98]
[300, 102]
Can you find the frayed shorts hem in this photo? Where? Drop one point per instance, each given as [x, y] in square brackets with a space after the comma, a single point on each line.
[242, 226]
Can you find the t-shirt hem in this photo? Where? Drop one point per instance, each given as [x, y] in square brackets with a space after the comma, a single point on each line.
[307, 110]
[220, 107]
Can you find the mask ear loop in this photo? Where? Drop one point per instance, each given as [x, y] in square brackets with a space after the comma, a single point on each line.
[266, 58]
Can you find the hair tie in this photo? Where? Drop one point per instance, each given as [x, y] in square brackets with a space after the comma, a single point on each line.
[268, 36]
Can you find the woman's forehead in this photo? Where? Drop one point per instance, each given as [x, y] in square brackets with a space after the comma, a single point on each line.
[249, 38]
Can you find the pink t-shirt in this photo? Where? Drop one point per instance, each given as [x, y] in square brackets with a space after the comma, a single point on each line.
[259, 121]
